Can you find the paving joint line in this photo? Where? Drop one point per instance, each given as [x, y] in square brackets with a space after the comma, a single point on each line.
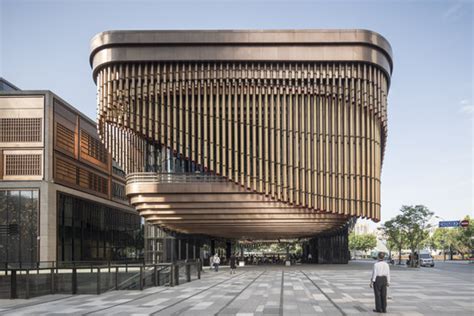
[135, 299]
[327, 296]
[238, 294]
[282, 292]
[9, 309]
[184, 299]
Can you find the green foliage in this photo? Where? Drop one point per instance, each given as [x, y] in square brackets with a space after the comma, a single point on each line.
[408, 229]
[281, 247]
[363, 242]
[443, 238]
[414, 224]
[462, 240]
[396, 240]
[457, 238]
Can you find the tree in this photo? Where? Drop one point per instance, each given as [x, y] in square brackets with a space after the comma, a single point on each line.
[362, 242]
[413, 223]
[396, 239]
[443, 238]
[462, 238]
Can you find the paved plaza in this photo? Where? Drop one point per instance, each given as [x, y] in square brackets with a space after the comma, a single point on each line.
[275, 290]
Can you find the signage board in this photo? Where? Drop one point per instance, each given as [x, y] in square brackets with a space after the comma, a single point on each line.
[449, 224]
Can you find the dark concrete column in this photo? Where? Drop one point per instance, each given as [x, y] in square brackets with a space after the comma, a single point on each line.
[213, 247]
[228, 249]
[170, 250]
[187, 249]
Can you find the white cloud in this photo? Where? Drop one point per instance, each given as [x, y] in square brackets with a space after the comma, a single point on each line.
[454, 11]
[466, 107]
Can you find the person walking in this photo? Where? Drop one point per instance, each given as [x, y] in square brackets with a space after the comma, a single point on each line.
[232, 264]
[310, 258]
[216, 260]
[211, 263]
[379, 281]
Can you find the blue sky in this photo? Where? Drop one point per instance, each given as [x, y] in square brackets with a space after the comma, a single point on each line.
[45, 45]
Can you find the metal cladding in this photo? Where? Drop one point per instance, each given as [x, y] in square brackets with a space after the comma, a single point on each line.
[296, 117]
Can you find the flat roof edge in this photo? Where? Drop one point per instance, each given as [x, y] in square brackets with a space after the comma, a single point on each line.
[316, 37]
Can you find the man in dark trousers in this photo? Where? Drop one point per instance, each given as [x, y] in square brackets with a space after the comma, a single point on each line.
[380, 280]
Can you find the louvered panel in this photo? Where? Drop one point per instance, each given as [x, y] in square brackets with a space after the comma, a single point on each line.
[306, 134]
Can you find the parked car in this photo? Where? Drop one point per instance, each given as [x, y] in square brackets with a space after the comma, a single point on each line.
[426, 260]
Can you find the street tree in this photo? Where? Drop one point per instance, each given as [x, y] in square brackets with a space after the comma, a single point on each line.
[454, 238]
[363, 242]
[396, 239]
[413, 222]
[462, 238]
[442, 238]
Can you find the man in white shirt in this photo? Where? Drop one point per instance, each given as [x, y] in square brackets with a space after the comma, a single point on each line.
[380, 280]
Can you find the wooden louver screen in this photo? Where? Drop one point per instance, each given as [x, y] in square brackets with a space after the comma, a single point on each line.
[65, 138]
[27, 130]
[308, 134]
[23, 164]
[92, 147]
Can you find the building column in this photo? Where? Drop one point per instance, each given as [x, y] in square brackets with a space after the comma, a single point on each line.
[228, 249]
[213, 247]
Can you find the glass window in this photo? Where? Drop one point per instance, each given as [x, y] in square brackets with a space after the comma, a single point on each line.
[19, 225]
[100, 232]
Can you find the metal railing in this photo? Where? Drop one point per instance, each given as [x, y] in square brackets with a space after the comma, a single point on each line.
[86, 278]
[172, 178]
[61, 264]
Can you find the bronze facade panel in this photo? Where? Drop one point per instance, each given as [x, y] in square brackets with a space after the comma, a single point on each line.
[305, 127]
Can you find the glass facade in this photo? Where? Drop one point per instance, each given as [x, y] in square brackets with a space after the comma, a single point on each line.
[19, 225]
[90, 231]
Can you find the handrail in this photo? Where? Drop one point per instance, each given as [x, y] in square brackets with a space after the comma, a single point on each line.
[159, 177]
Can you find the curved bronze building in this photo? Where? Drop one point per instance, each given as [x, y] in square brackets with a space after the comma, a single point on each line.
[246, 134]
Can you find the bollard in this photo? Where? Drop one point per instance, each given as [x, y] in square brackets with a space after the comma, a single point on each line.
[171, 275]
[155, 278]
[27, 283]
[141, 279]
[176, 275]
[74, 281]
[188, 272]
[98, 281]
[116, 278]
[52, 280]
[13, 293]
[198, 268]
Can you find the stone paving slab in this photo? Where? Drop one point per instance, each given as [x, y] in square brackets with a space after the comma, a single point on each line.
[272, 290]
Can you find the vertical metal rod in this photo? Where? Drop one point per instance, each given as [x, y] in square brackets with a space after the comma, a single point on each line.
[172, 275]
[176, 277]
[98, 281]
[188, 272]
[13, 292]
[74, 281]
[27, 283]
[141, 279]
[116, 277]
[52, 280]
